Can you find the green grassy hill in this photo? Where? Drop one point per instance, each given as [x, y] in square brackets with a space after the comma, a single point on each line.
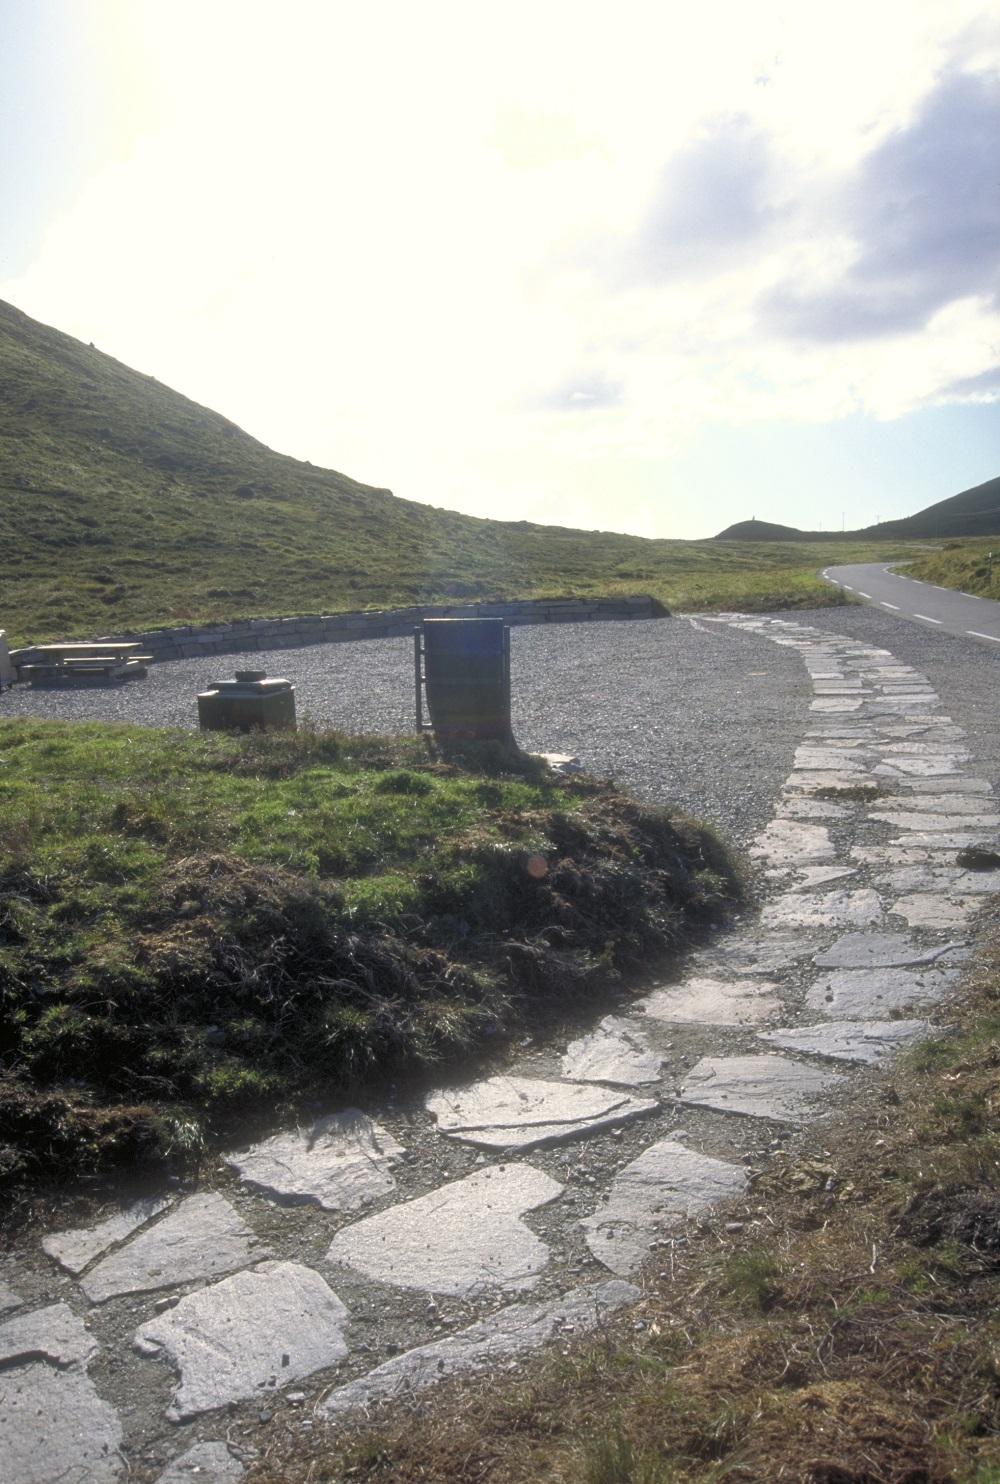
[972, 512]
[126, 505]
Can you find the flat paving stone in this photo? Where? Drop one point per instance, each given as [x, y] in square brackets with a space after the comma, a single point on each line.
[705, 1001]
[247, 1336]
[804, 808]
[666, 1184]
[511, 1332]
[937, 910]
[75, 1250]
[859, 994]
[204, 1463]
[918, 767]
[954, 785]
[943, 803]
[55, 1429]
[202, 1237]
[947, 840]
[523, 1112]
[811, 877]
[808, 783]
[872, 1042]
[616, 1051]
[877, 951]
[465, 1238]
[940, 878]
[833, 704]
[761, 1086]
[790, 842]
[9, 1298]
[925, 820]
[340, 1162]
[752, 954]
[823, 759]
[825, 909]
[53, 1334]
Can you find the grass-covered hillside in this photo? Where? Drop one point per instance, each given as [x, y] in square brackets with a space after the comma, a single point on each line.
[972, 512]
[964, 565]
[125, 505]
[195, 928]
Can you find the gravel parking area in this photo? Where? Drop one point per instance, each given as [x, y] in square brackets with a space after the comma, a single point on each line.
[678, 711]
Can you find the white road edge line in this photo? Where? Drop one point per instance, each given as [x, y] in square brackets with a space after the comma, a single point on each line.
[889, 605]
[848, 588]
[926, 619]
[977, 635]
[864, 595]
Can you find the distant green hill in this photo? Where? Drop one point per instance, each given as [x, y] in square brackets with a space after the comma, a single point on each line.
[124, 504]
[973, 512]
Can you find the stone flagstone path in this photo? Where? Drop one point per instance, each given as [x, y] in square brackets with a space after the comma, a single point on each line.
[357, 1261]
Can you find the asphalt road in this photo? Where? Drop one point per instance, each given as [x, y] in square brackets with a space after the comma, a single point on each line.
[956, 613]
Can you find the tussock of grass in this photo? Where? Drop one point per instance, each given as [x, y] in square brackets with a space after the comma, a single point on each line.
[196, 926]
[847, 1333]
[964, 565]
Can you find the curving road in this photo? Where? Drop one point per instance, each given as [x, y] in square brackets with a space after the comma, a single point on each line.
[957, 613]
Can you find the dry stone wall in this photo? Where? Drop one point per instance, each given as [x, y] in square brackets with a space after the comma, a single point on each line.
[262, 634]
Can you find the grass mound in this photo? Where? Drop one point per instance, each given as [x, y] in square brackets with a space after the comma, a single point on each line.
[838, 1325]
[966, 566]
[194, 928]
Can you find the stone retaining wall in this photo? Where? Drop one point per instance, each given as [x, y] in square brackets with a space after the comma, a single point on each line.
[254, 634]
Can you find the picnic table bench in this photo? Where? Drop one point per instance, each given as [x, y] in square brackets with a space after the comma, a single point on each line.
[65, 661]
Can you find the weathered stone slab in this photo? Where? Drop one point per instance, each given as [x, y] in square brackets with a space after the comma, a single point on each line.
[247, 1336]
[811, 877]
[464, 1238]
[766, 954]
[826, 759]
[202, 1237]
[860, 994]
[789, 842]
[9, 1299]
[706, 1001]
[511, 1332]
[806, 808]
[951, 785]
[667, 1183]
[53, 1334]
[204, 1463]
[807, 783]
[760, 1086]
[936, 910]
[932, 748]
[944, 803]
[947, 840]
[877, 951]
[951, 879]
[522, 1112]
[73, 1250]
[833, 704]
[918, 767]
[823, 909]
[55, 1429]
[616, 1051]
[341, 1162]
[870, 1041]
[914, 820]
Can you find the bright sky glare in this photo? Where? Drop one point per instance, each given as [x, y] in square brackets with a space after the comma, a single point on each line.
[647, 266]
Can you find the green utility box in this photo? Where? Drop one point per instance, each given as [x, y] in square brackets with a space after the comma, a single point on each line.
[250, 703]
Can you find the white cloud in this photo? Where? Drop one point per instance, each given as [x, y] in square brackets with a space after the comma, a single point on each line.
[487, 257]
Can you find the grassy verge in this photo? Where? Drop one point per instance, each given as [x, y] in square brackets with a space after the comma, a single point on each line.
[964, 565]
[839, 1326]
[193, 927]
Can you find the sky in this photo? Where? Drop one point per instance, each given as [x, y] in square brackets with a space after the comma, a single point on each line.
[642, 266]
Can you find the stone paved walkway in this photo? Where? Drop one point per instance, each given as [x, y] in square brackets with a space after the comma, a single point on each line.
[360, 1260]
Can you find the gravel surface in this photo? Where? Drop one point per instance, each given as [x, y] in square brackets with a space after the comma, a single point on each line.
[676, 710]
